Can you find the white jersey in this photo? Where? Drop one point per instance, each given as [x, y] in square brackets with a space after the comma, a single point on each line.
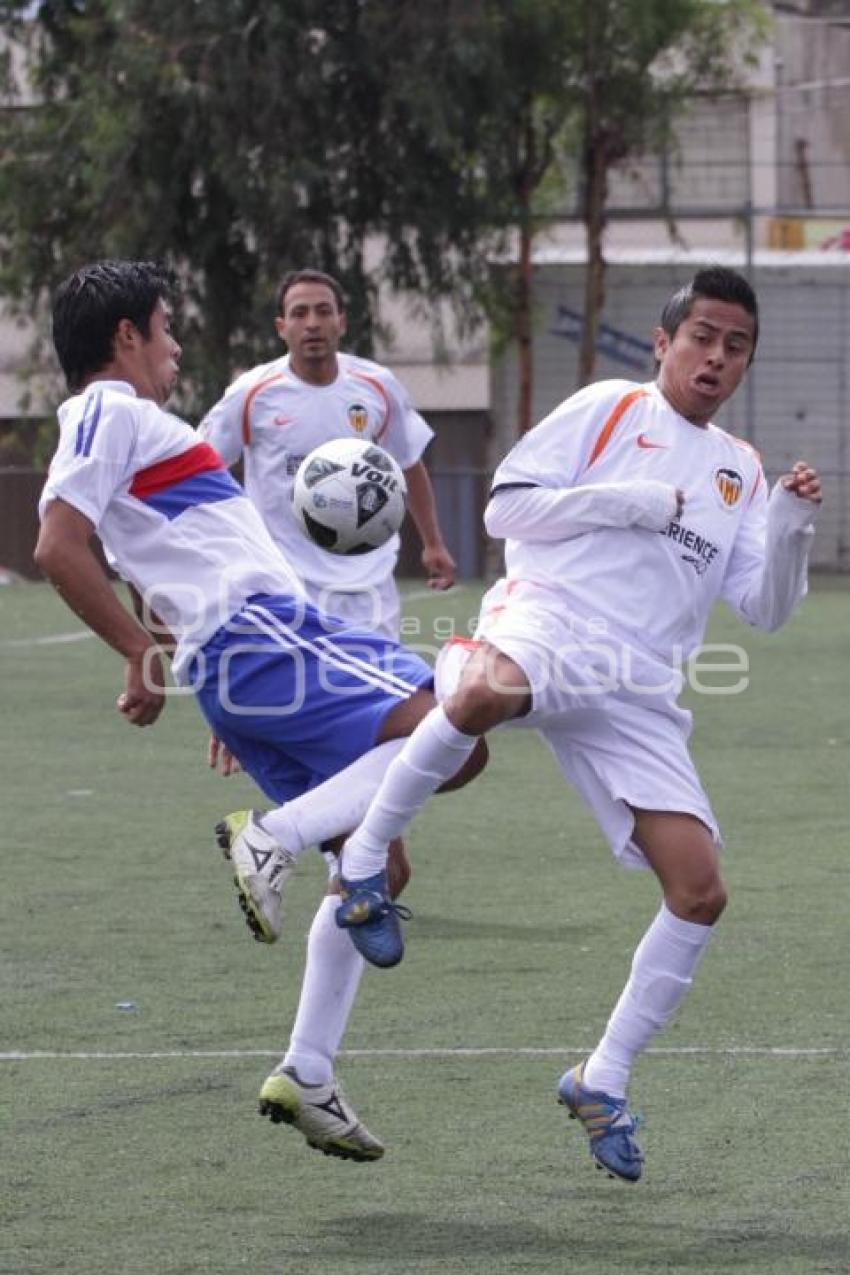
[274, 419]
[174, 522]
[654, 583]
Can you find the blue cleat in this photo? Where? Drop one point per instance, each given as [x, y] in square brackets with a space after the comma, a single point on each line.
[372, 919]
[608, 1123]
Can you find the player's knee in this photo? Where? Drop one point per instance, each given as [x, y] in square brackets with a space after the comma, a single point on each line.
[478, 705]
[717, 901]
[702, 903]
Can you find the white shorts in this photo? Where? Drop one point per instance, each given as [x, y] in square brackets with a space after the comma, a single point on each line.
[607, 711]
[376, 608]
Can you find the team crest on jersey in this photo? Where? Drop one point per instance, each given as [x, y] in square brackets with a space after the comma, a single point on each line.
[358, 417]
[729, 485]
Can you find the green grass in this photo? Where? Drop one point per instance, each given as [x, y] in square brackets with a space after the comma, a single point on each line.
[521, 940]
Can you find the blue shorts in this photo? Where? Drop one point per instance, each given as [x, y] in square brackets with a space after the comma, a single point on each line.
[296, 695]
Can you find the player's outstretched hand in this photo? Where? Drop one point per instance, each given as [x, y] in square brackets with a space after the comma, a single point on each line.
[143, 698]
[440, 567]
[219, 757]
[803, 480]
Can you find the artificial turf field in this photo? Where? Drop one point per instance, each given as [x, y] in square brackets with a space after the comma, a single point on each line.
[131, 1143]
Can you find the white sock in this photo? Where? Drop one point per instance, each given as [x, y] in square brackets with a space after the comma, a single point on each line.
[331, 978]
[333, 807]
[662, 971]
[434, 753]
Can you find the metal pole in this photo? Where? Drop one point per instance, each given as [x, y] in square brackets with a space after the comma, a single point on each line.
[750, 383]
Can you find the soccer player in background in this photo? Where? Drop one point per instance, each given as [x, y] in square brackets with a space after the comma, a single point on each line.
[273, 415]
[297, 696]
[627, 514]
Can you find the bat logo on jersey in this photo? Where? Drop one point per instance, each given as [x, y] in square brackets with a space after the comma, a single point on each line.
[358, 417]
[697, 563]
[729, 484]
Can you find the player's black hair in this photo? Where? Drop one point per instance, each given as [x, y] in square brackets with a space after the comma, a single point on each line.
[308, 275]
[718, 283]
[89, 305]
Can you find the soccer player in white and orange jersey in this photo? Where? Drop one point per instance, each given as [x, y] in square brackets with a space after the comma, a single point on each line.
[273, 415]
[627, 514]
[297, 695]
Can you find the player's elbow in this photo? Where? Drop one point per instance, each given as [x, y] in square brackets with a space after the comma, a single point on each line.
[48, 553]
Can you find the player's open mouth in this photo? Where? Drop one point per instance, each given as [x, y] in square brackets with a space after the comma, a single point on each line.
[708, 384]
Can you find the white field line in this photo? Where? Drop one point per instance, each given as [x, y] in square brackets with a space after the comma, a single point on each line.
[679, 1051]
[57, 639]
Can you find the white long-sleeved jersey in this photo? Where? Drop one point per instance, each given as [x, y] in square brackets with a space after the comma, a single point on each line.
[587, 505]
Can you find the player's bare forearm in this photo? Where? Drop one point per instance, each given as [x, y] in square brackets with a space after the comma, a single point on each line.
[65, 556]
[439, 564]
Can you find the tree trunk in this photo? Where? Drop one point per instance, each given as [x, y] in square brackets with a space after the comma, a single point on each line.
[595, 171]
[525, 354]
[596, 177]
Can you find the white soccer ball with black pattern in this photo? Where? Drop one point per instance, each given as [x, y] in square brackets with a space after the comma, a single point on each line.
[349, 496]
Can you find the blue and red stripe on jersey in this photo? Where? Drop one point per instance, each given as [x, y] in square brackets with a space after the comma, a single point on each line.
[195, 477]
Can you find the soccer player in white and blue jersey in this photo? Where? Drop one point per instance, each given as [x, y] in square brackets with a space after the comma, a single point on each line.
[270, 418]
[295, 694]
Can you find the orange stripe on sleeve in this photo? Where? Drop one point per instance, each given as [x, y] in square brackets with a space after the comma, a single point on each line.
[614, 418]
[249, 399]
[748, 447]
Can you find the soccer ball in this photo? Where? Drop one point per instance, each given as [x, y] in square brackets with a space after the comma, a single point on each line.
[349, 495]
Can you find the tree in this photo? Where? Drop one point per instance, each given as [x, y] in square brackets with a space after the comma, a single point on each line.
[637, 62]
[523, 48]
[237, 138]
[577, 87]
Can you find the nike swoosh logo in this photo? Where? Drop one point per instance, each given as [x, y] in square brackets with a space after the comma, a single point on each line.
[643, 441]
